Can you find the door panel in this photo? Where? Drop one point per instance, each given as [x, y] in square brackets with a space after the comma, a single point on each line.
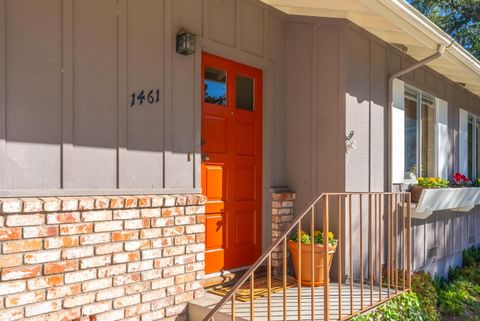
[232, 162]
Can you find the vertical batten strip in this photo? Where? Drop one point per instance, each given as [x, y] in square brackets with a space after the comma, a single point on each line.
[395, 238]
[68, 34]
[122, 88]
[404, 241]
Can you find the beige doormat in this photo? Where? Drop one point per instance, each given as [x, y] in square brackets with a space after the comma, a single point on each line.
[260, 290]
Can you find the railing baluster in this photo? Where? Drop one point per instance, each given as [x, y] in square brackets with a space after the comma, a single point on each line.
[339, 250]
[269, 287]
[409, 240]
[284, 280]
[312, 262]
[362, 276]
[389, 212]
[252, 296]
[233, 307]
[299, 276]
[325, 275]
[380, 247]
[375, 237]
[370, 245]
[351, 250]
[396, 243]
[404, 241]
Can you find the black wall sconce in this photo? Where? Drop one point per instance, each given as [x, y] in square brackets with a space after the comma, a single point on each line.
[185, 42]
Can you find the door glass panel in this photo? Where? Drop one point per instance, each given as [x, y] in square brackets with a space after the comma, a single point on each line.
[215, 87]
[410, 135]
[244, 93]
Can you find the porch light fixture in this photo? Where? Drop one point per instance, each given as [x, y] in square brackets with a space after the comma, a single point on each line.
[185, 42]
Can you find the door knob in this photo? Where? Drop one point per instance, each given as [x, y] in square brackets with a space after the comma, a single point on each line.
[205, 157]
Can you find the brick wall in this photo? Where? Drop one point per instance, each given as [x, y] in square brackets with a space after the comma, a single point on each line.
[115, 258]
[282, 217]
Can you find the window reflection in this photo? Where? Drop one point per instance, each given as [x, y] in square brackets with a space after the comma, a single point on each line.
[244, 93]
[215, 86]
[410, 135]
[428, 137]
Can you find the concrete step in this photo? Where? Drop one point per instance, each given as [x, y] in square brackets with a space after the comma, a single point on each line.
[199, 308]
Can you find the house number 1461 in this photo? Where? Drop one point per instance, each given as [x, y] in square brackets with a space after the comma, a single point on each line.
[152, 97]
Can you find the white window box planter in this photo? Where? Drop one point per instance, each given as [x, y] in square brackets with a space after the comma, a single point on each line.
[461, 199]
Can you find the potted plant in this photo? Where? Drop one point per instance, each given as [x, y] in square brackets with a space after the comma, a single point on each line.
[427, 183]
[320, 250]
[460, 180]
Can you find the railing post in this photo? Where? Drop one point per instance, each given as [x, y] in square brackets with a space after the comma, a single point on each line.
[409, 240]
[325, 275]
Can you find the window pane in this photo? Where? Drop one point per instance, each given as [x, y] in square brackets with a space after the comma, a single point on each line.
[244, 93]
[215, 86]
[471, 147]
[410, 136]
[428, 138]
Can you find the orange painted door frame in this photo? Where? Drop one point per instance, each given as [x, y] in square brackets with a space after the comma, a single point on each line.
[231, 170]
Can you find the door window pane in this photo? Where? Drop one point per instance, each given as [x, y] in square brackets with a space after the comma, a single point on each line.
[244, 92]
[428, 138]
[410, 135]
[215, 87]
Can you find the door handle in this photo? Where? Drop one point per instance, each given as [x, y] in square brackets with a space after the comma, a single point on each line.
[205, 158]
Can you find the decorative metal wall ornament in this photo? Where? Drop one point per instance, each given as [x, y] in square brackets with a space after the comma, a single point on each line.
[350, 143]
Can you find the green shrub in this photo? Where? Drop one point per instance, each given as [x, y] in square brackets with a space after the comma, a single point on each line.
[424, 288]
[471, 256]
[460, 298]
[405, 307]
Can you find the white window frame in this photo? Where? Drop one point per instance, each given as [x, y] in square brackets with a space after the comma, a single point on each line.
[474, 145]
[420, 95]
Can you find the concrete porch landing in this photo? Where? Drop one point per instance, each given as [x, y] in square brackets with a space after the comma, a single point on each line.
[199, 308]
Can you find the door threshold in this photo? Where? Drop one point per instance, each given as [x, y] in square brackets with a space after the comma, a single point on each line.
[227, 277]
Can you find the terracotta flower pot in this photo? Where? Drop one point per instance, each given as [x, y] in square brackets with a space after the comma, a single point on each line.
[319, 261]
[416, 192]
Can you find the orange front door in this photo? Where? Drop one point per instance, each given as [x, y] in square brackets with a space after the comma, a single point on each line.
[231, 162]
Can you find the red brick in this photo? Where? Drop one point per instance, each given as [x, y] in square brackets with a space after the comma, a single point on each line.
[86, 203]
[137, 309]
[137, 224]
[39, 231]
[11, 314]
[80, 276]
[25, 220]
[124, 236]
[163, 221]
[162, 242]
[198, 228]
[77, 252]
[130, 201]
[137, 245]
[137, 288]
[61, 242]
[42, 257]
[112, 270]
[126, 257]
[51, 204]
[97, 284]
[184, 259]
[60, 267]
[140, 266]
[184, 239]
[11, 205]
[69, 203]
[108, 226]
[108, 248]
[143, 200]
[12, 233]
[96, 308]
[95, 261]
[163, 262]
[12, 287]
[79, 300]
[110, 293]
[92, 216]
[169, 200]
[151, 233]
[175, 250]
[154, 295]
[20, 272]
[173, 231]
[126, 214]
[42, 308]
[23, 298]
[184, 278]
[101, 202]
[185, 220]
[151, 274]
[111, 316]
[44, 282]
[62, 218]
[11, 260]
[162, 303]
[116, 202]
[193, 210]
[71, 229]
[157, 200]
[126, 301]
[126, 279]
[150, 212]
[173, 270]
[162, 283]
[173, 211]
[151, 254]
[95, 238]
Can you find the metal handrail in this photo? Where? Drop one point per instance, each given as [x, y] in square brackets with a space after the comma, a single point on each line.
[297, 221]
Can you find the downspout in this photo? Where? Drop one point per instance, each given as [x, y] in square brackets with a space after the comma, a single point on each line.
[438, 54]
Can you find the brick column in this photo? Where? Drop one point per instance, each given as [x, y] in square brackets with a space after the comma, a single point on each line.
[282, 216]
